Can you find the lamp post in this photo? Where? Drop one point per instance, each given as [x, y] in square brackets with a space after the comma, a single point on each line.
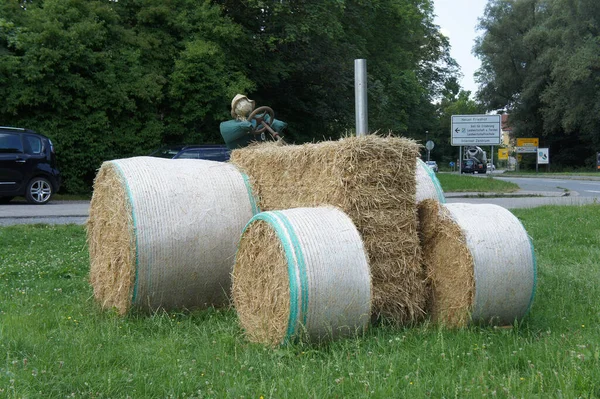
[426, 140]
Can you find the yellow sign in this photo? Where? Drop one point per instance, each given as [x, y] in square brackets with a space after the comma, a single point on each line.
[502, 154]
[528, 142]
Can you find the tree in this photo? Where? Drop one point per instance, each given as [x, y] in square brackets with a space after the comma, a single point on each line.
[306, 52]
[540, 60]
[113, 79]
[107, 79]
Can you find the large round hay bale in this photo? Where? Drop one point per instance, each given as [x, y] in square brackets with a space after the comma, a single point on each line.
[163, 233]
[480, 263]
[428, 185]
[301, 274]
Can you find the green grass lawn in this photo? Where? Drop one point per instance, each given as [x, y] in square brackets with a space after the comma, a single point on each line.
[466, 183]
[56, 343]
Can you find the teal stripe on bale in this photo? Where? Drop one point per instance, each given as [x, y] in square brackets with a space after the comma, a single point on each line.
[135, 249]
[428, 185]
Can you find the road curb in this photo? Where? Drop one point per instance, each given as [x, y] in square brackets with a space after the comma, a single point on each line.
[516, 194]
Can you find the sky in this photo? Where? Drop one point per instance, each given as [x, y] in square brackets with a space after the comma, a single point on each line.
[457, 20]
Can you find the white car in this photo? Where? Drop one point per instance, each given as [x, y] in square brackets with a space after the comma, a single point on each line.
[433, 165]
[491, 167]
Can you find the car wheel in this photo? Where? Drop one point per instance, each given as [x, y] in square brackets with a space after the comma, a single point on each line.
[39, 191]
[5, 200]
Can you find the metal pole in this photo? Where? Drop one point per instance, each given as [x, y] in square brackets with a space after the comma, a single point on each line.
[426, 140]
[460, 160]
[360, 97]
[492, 157]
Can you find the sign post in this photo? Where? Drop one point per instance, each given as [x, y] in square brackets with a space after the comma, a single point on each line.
[528, 145]
[429, 145]
[542, 158]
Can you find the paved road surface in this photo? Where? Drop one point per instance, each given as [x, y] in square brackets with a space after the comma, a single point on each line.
[528, 202]
[551, 191]
[584, 188]
[55, 212]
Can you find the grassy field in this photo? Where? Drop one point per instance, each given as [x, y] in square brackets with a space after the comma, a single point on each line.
[465, 183]
[56, 343]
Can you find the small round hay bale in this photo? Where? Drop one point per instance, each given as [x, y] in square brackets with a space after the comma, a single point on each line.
[480, 263]
[163, 233]
[428, 185]
[301, 274]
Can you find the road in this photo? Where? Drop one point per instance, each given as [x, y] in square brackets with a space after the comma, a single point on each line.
[54, 212]
[534, 192]
[527, 202]
[584, 188]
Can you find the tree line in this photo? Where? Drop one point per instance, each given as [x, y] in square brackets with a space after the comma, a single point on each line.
[106, 79]
[541, 62]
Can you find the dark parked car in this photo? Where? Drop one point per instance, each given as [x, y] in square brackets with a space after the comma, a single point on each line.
[27, 166]
[210, 152]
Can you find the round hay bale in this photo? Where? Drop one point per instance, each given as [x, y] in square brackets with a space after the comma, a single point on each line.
[163, 233]
[301, 274]
[480, 263]
[428, 185]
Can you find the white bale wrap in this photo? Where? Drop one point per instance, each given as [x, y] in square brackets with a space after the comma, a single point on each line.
[504, 262]
[186, 218]
[327, 272]
[428, 185]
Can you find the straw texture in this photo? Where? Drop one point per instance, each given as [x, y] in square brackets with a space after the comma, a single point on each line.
[301, 274]
[163, 233]
[371, 179]
[501, 256]
[428, 185]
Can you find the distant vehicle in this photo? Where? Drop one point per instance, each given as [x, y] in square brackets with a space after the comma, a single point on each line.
[27, 166]
[209, 152]
[433, 165]
[474, 160]
[491, 167]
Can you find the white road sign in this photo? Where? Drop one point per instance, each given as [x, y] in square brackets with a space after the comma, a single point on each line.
[543, 155]
[526, 149]
[476, 130]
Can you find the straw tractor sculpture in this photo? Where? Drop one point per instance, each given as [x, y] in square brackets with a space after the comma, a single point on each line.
[308, 241]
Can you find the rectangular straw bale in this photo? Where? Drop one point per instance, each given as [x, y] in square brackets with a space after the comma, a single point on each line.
[372, 179]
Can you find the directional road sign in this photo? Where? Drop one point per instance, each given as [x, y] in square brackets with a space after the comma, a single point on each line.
[528, 142]
[526, 149]
[476, 130]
